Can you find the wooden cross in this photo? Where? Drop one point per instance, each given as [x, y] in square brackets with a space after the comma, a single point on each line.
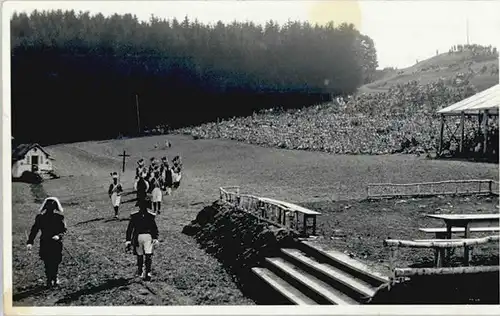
[124, 155]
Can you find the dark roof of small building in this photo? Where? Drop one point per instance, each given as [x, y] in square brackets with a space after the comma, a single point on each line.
[21, 150]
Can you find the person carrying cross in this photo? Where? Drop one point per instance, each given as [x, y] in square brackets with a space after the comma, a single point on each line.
[142, 235]
[50, 221]
[115, 190]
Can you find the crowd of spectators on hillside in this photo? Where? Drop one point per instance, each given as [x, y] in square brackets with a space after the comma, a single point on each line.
[403, 120]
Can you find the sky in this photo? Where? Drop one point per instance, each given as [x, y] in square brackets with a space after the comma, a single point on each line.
[403, 31]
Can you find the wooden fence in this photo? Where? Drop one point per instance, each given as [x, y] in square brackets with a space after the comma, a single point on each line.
[448, 187]
[274, 212]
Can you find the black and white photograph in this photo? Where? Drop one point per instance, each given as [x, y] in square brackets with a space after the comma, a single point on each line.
[299, 154]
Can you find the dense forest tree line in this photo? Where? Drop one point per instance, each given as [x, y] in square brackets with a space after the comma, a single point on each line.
[76, 76]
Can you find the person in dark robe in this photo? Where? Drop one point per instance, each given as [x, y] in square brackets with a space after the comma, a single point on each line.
[167, 179]
[142, 235]
[141, 188]
[50, 221]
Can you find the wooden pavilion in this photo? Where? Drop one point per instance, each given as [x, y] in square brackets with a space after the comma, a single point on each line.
[483, 106]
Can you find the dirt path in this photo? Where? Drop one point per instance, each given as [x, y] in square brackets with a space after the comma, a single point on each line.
[96, 271]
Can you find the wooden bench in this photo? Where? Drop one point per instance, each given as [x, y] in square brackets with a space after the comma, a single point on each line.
[439, 245]
[441, 231]
[296, 209]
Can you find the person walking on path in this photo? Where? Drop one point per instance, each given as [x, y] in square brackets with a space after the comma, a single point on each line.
[142, 235]
[50, 221]
[167, 180]
[140, 169]
[176, 172]
[156, 194]
[141, 187]
[115, 190]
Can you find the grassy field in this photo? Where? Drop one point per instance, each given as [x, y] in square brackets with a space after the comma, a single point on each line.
[95, 268]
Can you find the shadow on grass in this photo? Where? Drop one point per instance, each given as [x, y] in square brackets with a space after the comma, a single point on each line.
[129, 201]
[116, 220]
[89, 221]
[31, 292]
[196, 203]
[109, 284]
[38, 192]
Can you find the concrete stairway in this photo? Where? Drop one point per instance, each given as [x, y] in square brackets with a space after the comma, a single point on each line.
[309, 275]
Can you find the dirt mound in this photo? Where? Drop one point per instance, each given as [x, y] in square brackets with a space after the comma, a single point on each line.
[443, 289]
[238, 240]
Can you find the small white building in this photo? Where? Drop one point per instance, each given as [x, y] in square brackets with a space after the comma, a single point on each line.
[31, 158]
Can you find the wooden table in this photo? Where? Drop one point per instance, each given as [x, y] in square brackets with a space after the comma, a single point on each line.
[465, 221]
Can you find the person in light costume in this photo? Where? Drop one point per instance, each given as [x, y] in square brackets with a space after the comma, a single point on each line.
[115, 190]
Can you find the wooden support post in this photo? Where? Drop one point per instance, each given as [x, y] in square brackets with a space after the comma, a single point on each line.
[448, 251]
[304, 230]
[392, 265]
[439, 261]
[485, 131]
[441, 134]
[314, 225]
[462, 132]
[466, 248]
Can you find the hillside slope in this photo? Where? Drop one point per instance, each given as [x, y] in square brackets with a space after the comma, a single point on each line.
[483, 70]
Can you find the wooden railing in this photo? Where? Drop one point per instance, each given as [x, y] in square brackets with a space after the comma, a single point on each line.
[274, 212]
[439, 246]
[384, 190]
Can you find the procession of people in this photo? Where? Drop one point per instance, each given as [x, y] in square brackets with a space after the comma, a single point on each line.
[151, 184]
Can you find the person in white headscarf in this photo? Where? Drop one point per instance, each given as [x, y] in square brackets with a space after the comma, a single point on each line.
[115, 190]
[50, 221]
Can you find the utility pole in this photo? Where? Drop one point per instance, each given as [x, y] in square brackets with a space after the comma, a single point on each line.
[137, 108]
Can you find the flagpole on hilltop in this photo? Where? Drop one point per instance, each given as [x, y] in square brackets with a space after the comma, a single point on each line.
[467, 30]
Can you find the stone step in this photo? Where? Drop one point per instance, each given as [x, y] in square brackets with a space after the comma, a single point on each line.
[341, 280]
[343, 262]
[289, 292]
[308, 284]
